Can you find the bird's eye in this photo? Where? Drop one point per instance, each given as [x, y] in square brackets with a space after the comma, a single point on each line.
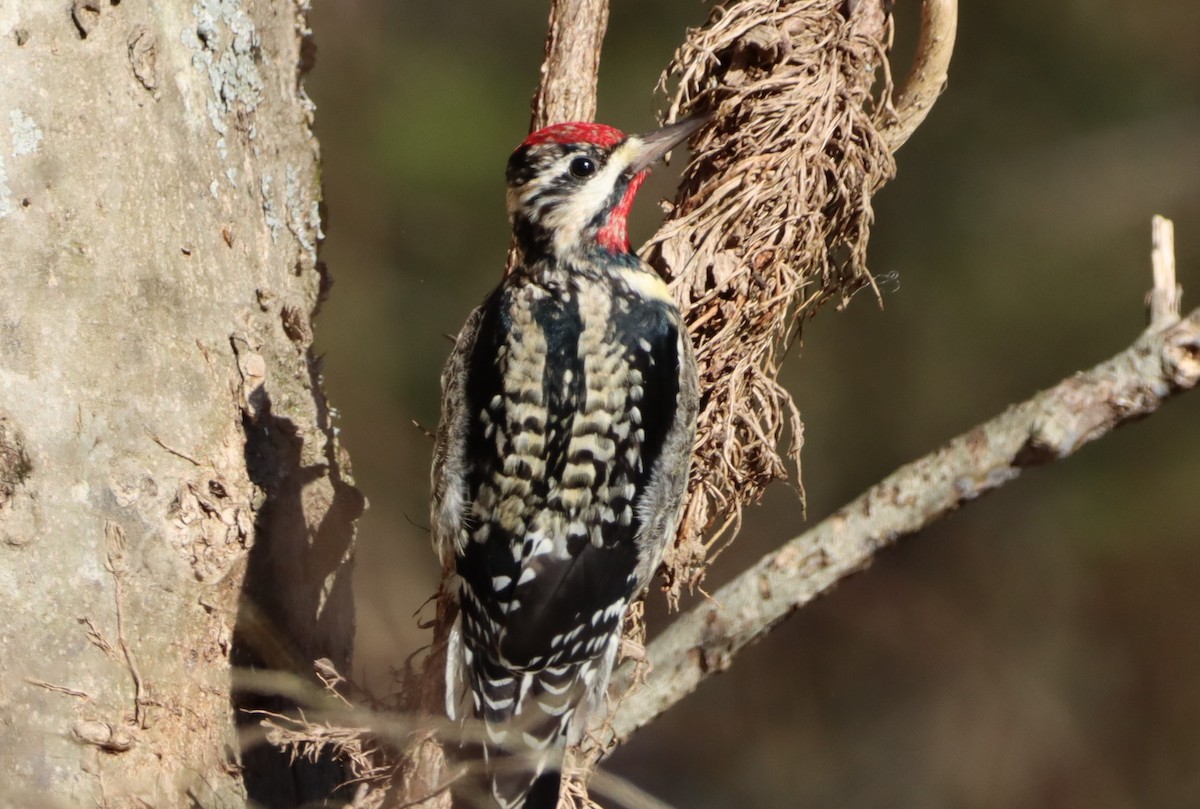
[582, 167]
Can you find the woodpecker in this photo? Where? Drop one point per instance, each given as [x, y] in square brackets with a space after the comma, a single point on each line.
[569, 409]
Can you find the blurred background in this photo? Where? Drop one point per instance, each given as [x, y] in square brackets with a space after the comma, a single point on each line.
[1039, 649]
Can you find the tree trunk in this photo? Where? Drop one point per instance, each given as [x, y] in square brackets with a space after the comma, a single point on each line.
[172, 495]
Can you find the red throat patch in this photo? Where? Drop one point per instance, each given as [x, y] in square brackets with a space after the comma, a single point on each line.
[577, 132]
[614, 235]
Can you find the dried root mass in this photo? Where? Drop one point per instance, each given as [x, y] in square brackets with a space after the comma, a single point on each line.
[771, 221]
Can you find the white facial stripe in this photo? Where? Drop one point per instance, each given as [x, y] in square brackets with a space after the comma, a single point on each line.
[569, 216]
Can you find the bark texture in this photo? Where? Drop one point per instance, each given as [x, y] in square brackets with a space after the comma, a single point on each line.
[567, 89]
[171, 490]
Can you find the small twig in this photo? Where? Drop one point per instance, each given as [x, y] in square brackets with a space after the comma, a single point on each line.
[117, 564]
[1050, 426]
[97, 639]
[177, 453]
[1164, 299]
[139, 685]
[927, 78]
[434, 794]
[61, 689]
[618, 792]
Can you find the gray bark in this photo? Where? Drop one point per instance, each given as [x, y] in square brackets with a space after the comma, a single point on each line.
[171, 490]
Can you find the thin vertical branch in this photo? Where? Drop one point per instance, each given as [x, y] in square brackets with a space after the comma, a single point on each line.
[567, 90]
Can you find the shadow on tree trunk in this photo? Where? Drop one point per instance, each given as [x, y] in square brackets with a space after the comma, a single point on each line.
[296, 602]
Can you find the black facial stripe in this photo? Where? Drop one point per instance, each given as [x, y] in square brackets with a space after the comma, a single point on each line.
[528, 162]
[614, 199]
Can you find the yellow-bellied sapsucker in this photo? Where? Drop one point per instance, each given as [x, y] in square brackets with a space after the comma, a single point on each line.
[568, 413]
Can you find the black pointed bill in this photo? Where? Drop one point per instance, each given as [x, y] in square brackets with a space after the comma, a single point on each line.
[653, 146]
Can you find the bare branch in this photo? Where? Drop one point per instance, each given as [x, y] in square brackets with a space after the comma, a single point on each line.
[927, 78]
[567, 90]
[1052, 425]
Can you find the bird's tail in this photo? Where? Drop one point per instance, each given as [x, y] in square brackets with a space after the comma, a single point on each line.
[529, 717]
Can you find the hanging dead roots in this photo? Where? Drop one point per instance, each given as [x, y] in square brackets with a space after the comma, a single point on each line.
[771, 221]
